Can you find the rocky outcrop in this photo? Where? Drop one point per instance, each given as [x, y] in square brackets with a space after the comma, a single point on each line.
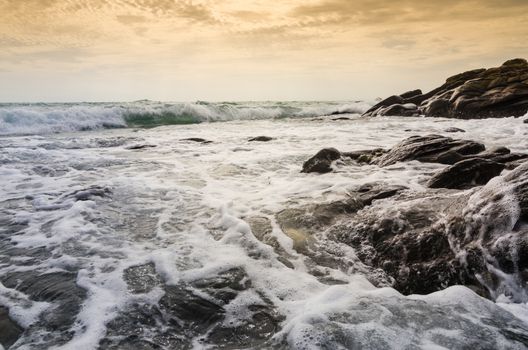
[481, 93]
[426, 241]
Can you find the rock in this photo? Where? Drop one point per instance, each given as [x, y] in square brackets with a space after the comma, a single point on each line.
[140, 146]
[10, 331]
[197, 139]
[341, 118]
[365, 156]
[481, 93]
[389, 101]
[525, 121]
[59, 288]
[412, 93]
[430, 149]
[453, 129]
[261, 139]
[322, 161]
[466, 174]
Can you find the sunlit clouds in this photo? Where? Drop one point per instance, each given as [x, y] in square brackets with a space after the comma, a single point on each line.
[71, 50]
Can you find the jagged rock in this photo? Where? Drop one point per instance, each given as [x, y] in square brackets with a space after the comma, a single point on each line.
[322, 161]
[260, 139]
[466, 174]
[481, 93]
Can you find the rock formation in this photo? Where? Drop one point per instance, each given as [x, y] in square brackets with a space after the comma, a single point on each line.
[481, 93]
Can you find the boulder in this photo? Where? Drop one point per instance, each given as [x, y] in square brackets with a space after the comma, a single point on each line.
[466, 174]
[322, 161]
[481, 93]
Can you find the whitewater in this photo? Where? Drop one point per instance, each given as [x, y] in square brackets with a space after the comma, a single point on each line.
[132, 226]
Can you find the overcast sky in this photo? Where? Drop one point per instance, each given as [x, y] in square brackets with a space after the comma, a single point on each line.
[117, 50]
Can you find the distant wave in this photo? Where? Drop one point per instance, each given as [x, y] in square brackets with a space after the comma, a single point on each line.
[39, 118]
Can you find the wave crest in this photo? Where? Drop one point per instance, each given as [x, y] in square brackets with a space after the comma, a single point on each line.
[27, 119]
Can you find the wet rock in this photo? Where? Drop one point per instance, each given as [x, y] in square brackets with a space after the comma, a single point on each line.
[197, 139]
[341, 118]
[89, 193]
[430, 149]
[262, 230]
[482, 93]
[453, 129]
[260, 139]
[142, 278]
[429, 241]
[59, 288]
[9, 330]
[466, 174]
[365, 156]
[140, 146]
[322, 161]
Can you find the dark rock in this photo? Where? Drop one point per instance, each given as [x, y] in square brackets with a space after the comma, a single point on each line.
[322, 161]
[365, 156]
[9, 330]
[197, 139]
[341, 118]
[261, 139]
[466, 174]
[389, 101]
[57, 287]
[430, 149]
[525, 121]
[453, 129]
[142, 278]
[140, 146]
[482, 93]
[412, 93]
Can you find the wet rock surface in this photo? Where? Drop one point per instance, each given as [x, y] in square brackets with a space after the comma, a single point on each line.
[425, 242]
[190, 312]
[322, 161]
[466, 174]
[9, 330]
[481, 93]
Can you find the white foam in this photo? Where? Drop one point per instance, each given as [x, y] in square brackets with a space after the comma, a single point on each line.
[183, 206]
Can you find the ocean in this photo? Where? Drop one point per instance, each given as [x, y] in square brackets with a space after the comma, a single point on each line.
[133, 226]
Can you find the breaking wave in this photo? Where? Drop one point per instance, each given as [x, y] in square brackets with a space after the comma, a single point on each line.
[39, 118]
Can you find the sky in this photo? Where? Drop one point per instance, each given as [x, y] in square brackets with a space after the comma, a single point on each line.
[241, 50]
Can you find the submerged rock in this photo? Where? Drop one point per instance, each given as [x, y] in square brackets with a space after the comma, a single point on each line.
[9, 330]
[322, 161]
[197, 139]
[453, 129]
[140, 146]
[260, 139]
[481, 93]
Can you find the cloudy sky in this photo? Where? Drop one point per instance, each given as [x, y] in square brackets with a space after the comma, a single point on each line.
[182, 50]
